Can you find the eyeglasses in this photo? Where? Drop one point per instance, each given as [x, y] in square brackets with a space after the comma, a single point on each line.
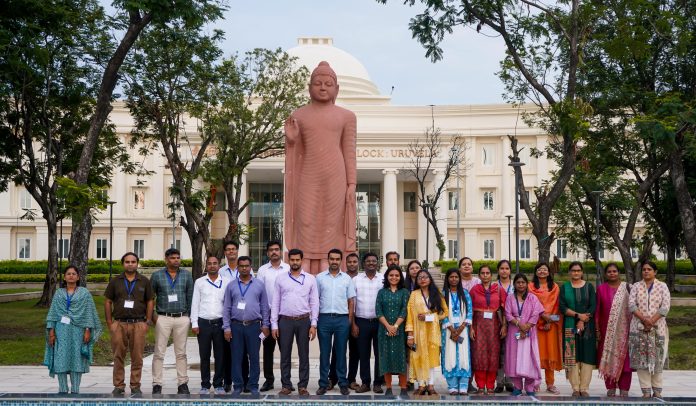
[423, 278]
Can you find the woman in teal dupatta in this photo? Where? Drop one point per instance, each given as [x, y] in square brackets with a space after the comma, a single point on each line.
[72, 327]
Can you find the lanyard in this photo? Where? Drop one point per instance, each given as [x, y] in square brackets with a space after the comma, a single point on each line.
[129, 287]
[426, 300]
[243, 292]
[649, 292]
[210, 282]
[508, 288]
[70, 297]
[303, 278]
[455, 303]
[520, 306]
[172, 283]
[487, 292]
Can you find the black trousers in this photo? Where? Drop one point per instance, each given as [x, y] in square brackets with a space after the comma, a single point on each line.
[366, 339]
[269, 345]
[353, 361]
[210, 334]
[290, 331]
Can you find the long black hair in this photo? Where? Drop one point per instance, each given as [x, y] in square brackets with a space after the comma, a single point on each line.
[549, 279]
[500, 263]
[526, 281]
[399, 285]
[434, 295]
[460, 288]
[408, 283]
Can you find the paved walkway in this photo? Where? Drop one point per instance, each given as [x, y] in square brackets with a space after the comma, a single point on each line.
[35, 379]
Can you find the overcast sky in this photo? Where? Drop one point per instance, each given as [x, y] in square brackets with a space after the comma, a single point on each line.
[378, 36]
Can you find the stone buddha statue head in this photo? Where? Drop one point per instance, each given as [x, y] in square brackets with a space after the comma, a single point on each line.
[323, 86]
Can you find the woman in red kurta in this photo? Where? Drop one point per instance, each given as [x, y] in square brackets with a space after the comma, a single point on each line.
[488, 327]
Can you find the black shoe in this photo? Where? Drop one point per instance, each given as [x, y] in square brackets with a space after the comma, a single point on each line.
[118, 391]
[409, 386]
[157, 389]
[136, 391]
[332, 385]
[345, 391]
[246, 390]
[321, 391]
[388, 392]
[183, 389]
[268, 385]
[404, 392]
[377, 389]
[499, 389]
[509, 387]
[228, 388]
[472, 389]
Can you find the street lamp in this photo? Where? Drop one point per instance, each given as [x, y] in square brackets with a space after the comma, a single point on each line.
[455, 153]
[509, 216]
[111, 237]
[598, 200]
[427, 232]
[515, 166]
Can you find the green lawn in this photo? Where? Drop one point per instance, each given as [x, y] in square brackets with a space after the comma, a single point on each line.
[18, 290]
[22, 334]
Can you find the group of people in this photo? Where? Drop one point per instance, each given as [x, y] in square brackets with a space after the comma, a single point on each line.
[500, 331]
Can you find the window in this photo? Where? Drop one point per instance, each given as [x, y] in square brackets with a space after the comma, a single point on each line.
[64, 248]
[525, 249]
[409, 249]
[101, 248]
[488, 200]
[562, 248]
[178, 245]
[453, 248]
[634, 252]
[488, 249]
[453, 200]
[601, 250]
[487, 155]
[139, 248]
[25, 199]
[139, 199]
[410, 202]
[24, 248]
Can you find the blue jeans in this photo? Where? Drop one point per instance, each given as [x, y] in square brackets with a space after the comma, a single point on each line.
[245, 339]
[339, 328]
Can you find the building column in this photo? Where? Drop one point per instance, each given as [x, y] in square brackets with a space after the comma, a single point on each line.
[442, 211]
[473, 248]
[244, 217]
[121, 245]
[6, 248]
[470, 186]
[390, 240]
[41, 243]
[155, 247]
[507, 182]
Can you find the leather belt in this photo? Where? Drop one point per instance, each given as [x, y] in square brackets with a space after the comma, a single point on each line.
[246, 322]
[300, 317]
[180, 314]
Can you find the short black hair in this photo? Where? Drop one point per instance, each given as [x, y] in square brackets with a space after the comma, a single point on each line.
[652, 264]
[208, 256]
[392, 253]
[296, 251]
[271, 243]
[123, 258]
[171, 251]
[353, 254]
[575, 263]
[244, 258]
[235, 243]
[369, 254]
[335, 251]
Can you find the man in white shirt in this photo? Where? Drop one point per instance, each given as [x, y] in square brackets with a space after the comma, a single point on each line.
[365, 324]
[267, 273]
[206, 323]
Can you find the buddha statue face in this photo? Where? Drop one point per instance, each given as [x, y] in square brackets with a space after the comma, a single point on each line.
[323, 88]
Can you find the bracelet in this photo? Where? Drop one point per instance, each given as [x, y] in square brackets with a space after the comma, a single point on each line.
[410, 337]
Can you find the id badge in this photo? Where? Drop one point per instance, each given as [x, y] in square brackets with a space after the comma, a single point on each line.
[65, 320]
[555, 317]
[518, 335]
[430, 317]
[262, 337]
[488, 315]
[129, 304]
[456, 319]
[172, 298]
[241, 305]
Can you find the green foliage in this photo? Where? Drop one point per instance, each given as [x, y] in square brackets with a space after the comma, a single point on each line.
[95, 266]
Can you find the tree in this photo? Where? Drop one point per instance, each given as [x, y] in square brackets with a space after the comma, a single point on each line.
[134, 16]
[170, 77]
[544, 48]
[48, 70]
[425, 158]
[254, 95]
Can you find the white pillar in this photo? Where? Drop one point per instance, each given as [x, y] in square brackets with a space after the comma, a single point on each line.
[41, 243]
[154, 249]
[442, 211]
[121, 243]
[6, 247]
[244, 217]
[472, 248]
[390, 241]
[470, 184]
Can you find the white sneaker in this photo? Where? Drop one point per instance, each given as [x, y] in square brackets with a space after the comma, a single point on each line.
[220, 391]
[204, 391]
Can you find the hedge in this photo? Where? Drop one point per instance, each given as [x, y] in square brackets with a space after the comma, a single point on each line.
[94, 266]
[41, 278]
[683, 267]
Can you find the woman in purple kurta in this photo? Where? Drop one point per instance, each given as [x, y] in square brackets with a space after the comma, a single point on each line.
[522, 311]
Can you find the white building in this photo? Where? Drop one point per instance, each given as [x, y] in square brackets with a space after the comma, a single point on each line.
[388, 215]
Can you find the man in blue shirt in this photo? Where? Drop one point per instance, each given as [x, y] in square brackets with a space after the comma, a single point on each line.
[336, 295]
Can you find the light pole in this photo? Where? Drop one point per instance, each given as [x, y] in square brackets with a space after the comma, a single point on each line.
[598, 202]
[455, 154]
[427, 233]
[509, 217]
[111, 237]
[517, 167]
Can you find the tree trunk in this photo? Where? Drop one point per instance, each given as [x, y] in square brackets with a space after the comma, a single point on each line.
[671, 265]
[544, 242]
[79, 246]
[51, 281]
[197, 244]
[684, 202]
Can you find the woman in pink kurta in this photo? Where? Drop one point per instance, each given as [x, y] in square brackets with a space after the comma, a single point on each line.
[613, 321]
[522, 311]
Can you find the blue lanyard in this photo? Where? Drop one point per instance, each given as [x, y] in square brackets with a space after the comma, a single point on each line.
[70, 297]
[508, 288]
[210, 282]
[243, 292]
[426, 300]
[455, 303]
[172, 283]
[303, 278]
[129, 287]
[519, 307]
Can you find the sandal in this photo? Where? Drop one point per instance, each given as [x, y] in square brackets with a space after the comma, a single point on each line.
[553, 389]
[421, 391]
[611, 393]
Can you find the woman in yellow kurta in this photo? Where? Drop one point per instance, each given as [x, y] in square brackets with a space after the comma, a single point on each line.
[427, 315]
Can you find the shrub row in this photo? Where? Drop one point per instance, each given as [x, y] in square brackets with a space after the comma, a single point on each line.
[15, 278]
[94, 266]
[683, 267]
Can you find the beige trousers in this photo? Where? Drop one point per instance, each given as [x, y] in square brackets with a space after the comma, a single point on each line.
[648, 380]
[178, 328]
[580, 376]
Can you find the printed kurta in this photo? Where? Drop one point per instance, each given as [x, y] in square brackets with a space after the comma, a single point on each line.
[522, 355]
[456, 357]
[648, 350]
[392, 350]
[426, 335]
[579, 347]
[550, 342]
[485, 347]
[618, 352]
